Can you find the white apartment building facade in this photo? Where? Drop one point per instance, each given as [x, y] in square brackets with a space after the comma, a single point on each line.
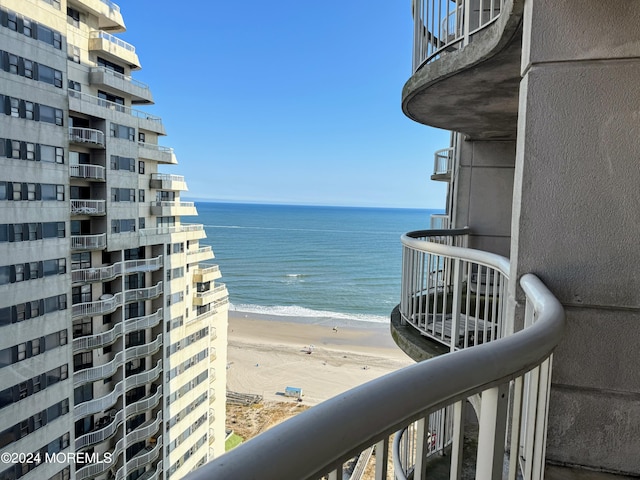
[112, 324]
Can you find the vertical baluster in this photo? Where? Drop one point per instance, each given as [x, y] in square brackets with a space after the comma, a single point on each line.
[488, 291]
[467, 303]
[382, 457]
[456, 303]
[420, 470]
[542, 416]
[516, 426]
[457, 440]
[491, 434]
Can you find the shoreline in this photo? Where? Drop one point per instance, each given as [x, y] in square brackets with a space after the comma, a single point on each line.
[267, 353]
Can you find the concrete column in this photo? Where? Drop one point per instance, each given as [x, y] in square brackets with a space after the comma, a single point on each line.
[576, 217]
[483, 192]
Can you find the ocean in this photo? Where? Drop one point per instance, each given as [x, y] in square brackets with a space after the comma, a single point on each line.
[315, 264]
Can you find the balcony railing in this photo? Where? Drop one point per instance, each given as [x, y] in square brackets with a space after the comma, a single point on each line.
[99, 274]
[92, 172]
[99, 404]
[111, 39]
[99, 307]
[453, 295]
[145, 456]
[110, 336]
[120, 76]
[88, 207]
[143, 293]
[101, 102]
[102, 433]
[443, 161]
[441, 26]
[86, 135]
[144, 377]
[185, 227]
[144, 404]
[101, 371]
[144, 350]
[439, 221]
[512, 376]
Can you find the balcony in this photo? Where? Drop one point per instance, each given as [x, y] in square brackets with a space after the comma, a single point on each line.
[163, 181]
[210, 296]
[86, 137]
[99, 274]
[439, 221]
[146, 455]
[108, 13]
[138, 91]
[144, 404]
[107, 304]
[97, 107]
[86, 171]
[193, 231]
[140, 294]
[144, 350]
[97, 469]
[157, 153]
[466, 66]
[144, 377]
[88, 207]
[97, 405]
[170, 209]
[119, 50]
[105, 338]
[199, 254]
[442, 164]
[102, 430]
[89, 242]
[206, 272]
[100, 372]
[510, 377]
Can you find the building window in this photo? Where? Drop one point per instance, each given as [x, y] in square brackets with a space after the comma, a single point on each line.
[141, 167]
[28, 68]
[73, 17]
[141, 137]
[27, 30]
[29, 110]
[141, 195]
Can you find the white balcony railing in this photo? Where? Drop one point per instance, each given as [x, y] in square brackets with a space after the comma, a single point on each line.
[120, 76]
[149, 454]
[143, 293]
[112, 39]
[138, 351]
[453, 295]
[128, 326]
[512, 376]
[101, 102]
[144, 404]
[101, 371]
[101, 434]
[185, 227]
[99, 274]
[99, 404]
[441, 26]
[99, 307]
[443, 161]
[86, 135]
[166, 177]
[439, 221]
[95, 172]
[88, 207]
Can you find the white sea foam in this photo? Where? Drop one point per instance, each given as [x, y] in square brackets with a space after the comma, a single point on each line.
[307, 314]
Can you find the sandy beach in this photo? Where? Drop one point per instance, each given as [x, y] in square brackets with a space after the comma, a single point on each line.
[265, 355]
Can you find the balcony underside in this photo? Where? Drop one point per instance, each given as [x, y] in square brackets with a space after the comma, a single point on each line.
[416, 346]
[473, 90]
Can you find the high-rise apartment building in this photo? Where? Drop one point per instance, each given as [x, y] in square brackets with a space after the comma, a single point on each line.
[112, 324]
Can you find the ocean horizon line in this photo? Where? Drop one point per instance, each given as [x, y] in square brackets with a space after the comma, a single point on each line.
[286, 204]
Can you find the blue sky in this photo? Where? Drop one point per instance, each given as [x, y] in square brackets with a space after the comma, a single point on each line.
[287, 102]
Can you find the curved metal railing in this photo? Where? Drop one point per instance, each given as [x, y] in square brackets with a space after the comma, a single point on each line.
[319, 441]
[440, 26]
[456, 296]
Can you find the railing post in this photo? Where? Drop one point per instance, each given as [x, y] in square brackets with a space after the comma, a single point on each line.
[457, 302]
[382, 455]
[491, 434]
[420, 470]
[457, 444]
[467, 22]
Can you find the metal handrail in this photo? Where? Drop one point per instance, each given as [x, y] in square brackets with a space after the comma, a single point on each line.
[454, 295]
[85, 242]
[318, 441]
[86, 135]
[101, 102]
[121, 76]
[165, 176]
[112, 39]
[97, 274]
[88, 207]
[219, 287]
[440, 27]
[85, 170]
[443, 161]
